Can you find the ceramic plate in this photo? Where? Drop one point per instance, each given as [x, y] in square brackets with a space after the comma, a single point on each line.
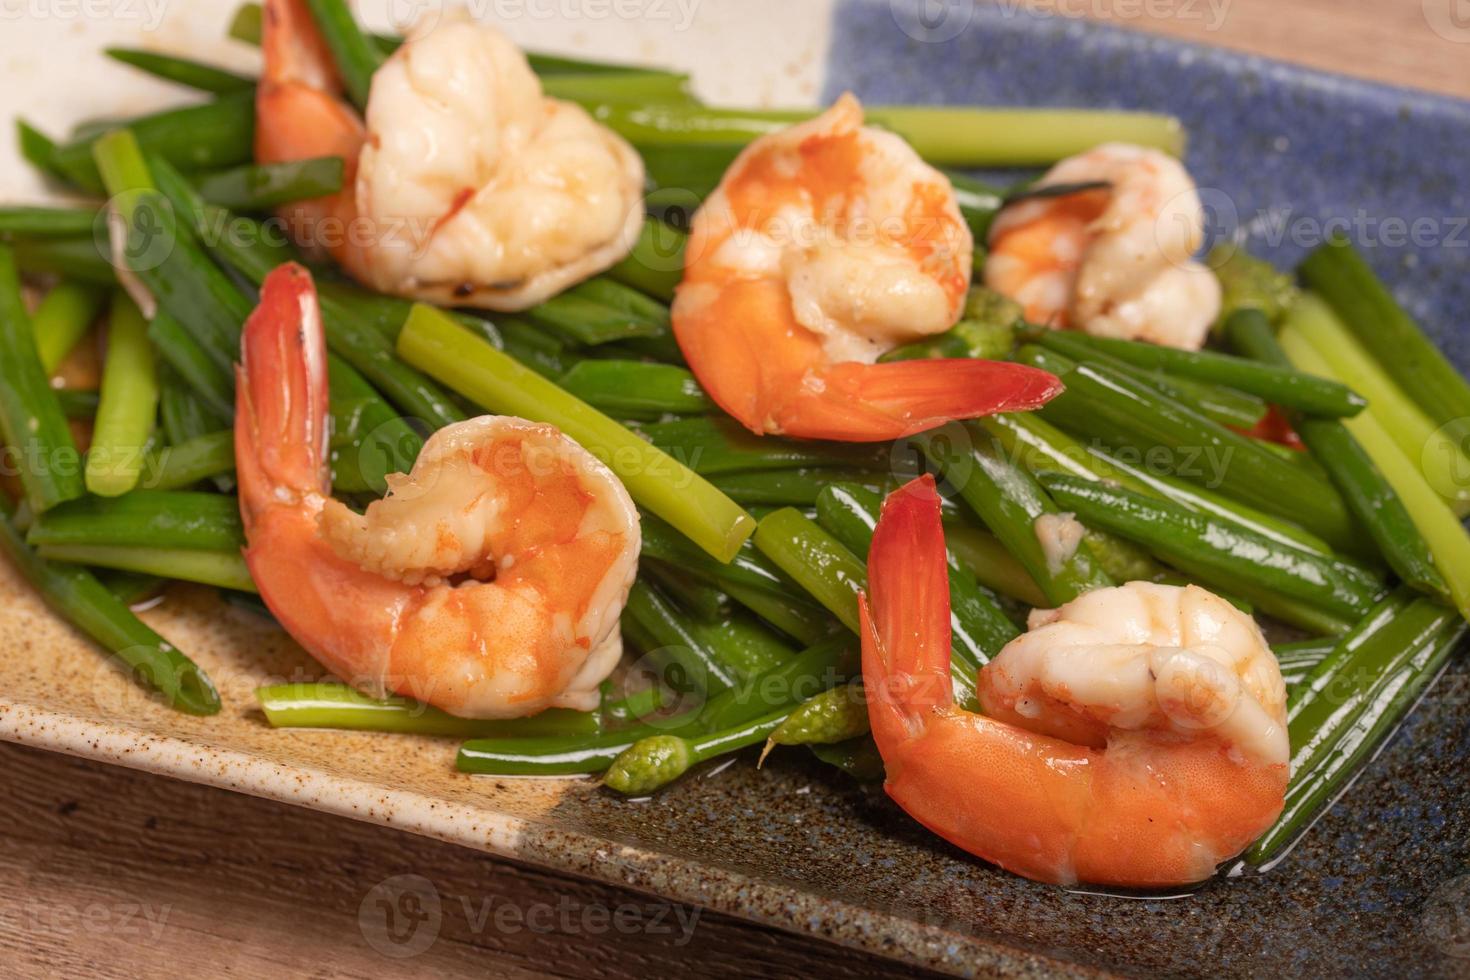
[1379, 887]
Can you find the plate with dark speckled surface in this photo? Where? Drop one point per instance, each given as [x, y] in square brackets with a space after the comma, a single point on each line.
[1380, 885]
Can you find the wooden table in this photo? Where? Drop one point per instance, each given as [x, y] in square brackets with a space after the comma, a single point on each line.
[106, 872]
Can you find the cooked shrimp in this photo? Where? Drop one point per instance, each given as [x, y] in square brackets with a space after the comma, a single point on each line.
[826, 245]
[488, 582]
[466, 184]
[1115, 262]
[1134, 737]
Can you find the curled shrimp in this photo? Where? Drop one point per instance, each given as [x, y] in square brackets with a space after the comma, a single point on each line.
[465, 184]
[1134, 737]
[488, 582]
[1115, 261]
[826, 245]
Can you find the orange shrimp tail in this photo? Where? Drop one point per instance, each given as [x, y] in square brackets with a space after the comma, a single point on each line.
[947, 768]
[298, 104]
[905, 629]
[300, 115]
[880, 402]
[768, 371]
[281, 392]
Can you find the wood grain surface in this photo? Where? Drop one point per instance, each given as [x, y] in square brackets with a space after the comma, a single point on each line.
[113, 873]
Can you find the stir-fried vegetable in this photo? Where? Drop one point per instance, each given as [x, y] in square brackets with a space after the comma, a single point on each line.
[738, 633]
[32, 423]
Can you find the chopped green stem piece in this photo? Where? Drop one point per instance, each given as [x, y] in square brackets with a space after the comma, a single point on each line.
[656, 263]
[32, 221]
[1170, 532]
[1102, 403]
[1437, 523]
[187, 285]
[804, 622]
[816, 560]
[943, 135]
[635, 389]
[1278, 384]
[216, 134]
[982, 555]
[33, 428]
[38, 149]
[701, 598]
[968, 338]
[716, 444]
[225, 569]
[132, 588]
[184, 71]
[436, 344]
[685, 657]
[1247, 282]
[128, 405]
[1309, 616]
[174, 519]
[355, 54]
[1040, 447]
[832, 661]
[633, 87]
[795, 488]
[1440, 452]
[77, 404]
[1371, 498]
[1399, 347]
[65, 315]
[262, 186]
[210, 384]
[582, 316]
[1351, 701]
[331, 705]
[1014, 506]
[1223, 405]
[644, 703]
[185, 463]
[369, 439]
[80, 259]
[565, 755]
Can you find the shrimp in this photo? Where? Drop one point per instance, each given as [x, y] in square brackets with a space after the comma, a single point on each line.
[488, 582]
[1115, 262]
[464, 185]
[827, 244]
[1134, 737]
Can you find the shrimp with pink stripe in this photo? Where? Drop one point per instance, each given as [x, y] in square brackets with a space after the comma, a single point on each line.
[1115, 260]
[464, 183]
[488, 582]
[826, 245]
[1134, 737]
